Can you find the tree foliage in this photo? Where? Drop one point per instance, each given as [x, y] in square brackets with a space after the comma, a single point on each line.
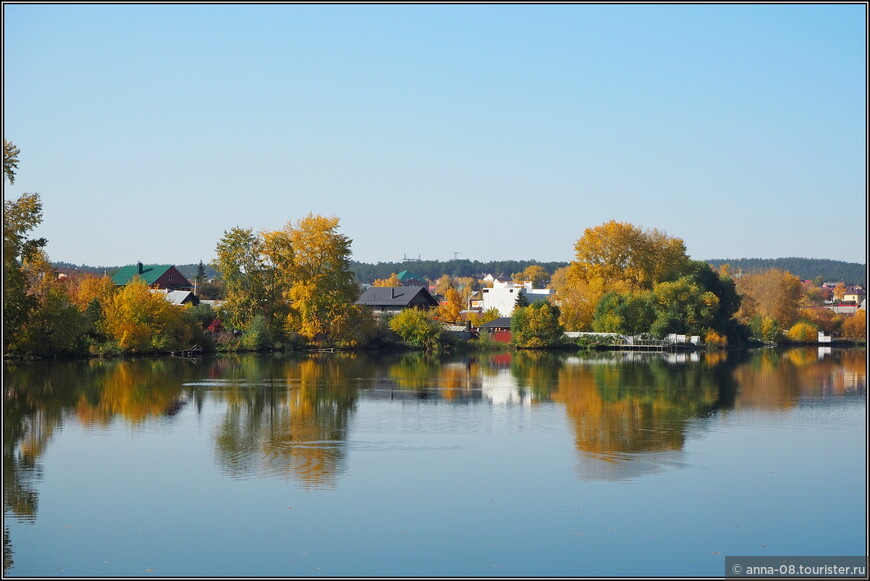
[20, 217]
[536, 326]
[392, 280]
[623, 254]
[449, 311]
[417, 327]
[803, 332]
[322, 289]
[141, 321]
[254, 272]
[10, 160]
[772, 294]
[855, 327]
[54, 326]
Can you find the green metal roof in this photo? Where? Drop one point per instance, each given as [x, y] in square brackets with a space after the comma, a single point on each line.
[408, 275]
[150, 273]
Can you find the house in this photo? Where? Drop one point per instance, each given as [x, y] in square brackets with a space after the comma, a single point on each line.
[392, 299]
[179, 297]
[408, 278]
[503, 295]
[499, 329]
[854, 294]
[157, 276]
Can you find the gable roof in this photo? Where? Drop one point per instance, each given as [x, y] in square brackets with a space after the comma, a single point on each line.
[395, 296]
[499, 323]
[150, 273]
[408, 275]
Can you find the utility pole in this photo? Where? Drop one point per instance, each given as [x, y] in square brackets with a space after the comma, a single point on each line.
[455, 254]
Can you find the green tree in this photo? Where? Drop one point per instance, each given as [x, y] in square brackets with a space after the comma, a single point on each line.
[628, 313]
[19, 218]
[683, 307]
[417, 327]
[10, 160]
[55, 326]
[254, 285]
[521, 301]
[200, 273]
[536, 326]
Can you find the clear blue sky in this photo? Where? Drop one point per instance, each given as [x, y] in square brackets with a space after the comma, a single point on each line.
[495, 131]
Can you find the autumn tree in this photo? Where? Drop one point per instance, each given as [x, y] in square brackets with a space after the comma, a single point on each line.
[322, 288]
[627, 257]
[392, 280]
[536, 326]
[54, 326]
[478, 319]
[576, 298]
[773, 294]
[803, 332]
[839, 291]
[141, 321]
[855, 326]
[449, 311]
[534, 273]
[443, 283]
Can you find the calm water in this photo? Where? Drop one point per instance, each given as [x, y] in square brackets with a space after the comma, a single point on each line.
[536, 464]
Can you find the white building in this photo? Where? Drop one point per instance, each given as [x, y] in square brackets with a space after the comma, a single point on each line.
[503, 296]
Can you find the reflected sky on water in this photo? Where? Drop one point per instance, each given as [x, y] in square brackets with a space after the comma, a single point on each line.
[502, 464]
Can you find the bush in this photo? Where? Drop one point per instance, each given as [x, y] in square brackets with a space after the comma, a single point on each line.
[803, 332]
[714, 340]
[418, 328]
[258, 336]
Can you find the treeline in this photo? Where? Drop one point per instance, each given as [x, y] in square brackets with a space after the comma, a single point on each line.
[367, 273]
[433, 269]
[803, 268]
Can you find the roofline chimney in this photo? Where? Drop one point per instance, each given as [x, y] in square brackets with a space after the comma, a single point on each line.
[139, 264]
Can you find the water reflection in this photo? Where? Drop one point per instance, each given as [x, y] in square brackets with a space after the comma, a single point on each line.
[289, 417]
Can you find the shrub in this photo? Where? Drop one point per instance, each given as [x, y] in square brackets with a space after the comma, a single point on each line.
[418, 328]
[803, 332]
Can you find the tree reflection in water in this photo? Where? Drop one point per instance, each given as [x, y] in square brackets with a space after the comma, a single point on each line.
[288, 416]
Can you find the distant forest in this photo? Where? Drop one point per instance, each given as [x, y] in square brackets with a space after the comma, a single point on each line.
[803, 268]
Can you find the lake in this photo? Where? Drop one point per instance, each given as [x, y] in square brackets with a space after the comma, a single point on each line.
[496, 464]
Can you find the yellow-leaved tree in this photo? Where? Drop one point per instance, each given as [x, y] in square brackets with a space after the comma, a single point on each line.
[773, 294]
[624, 255]
[614, 257]
[576, 298]
[392, 280]
[451, 308]
[140, 321]
[322, 289]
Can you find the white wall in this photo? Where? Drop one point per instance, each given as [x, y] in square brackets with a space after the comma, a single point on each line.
[504, 296]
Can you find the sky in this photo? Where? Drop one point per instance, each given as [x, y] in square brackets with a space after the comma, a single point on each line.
[440, 131]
